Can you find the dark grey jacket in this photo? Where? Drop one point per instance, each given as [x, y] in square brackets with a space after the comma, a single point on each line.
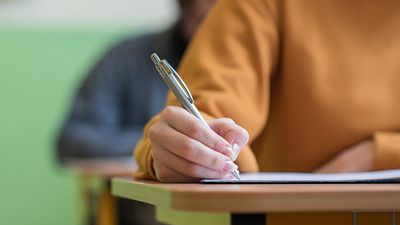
[122, 92]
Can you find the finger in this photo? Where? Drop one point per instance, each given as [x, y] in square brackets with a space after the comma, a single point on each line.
[165, 174]
[168, 175]
[186, 123]
[190, 149]
[230, 131]
[185, 167]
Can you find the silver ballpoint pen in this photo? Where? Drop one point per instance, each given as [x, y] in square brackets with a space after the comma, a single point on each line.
[180, 90]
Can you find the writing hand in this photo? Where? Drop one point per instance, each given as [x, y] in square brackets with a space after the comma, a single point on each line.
[185, 150]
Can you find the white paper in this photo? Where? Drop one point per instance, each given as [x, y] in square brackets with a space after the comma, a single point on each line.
[316, 177]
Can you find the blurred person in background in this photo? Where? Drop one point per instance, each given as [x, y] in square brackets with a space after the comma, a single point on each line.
[121, 93]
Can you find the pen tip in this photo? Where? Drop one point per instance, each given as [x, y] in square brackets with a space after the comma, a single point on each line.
[236, 175]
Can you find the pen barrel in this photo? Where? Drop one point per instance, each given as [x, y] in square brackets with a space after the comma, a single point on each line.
[192, 109]
[173, 85]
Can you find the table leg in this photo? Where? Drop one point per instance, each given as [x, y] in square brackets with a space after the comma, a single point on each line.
[106, 208]
[244, 219]
[355, 218]
[394, 218]
[85, 209]
[97, 206]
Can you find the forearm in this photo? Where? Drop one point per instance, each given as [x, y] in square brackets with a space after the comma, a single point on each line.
[357, 158]
[380, 153]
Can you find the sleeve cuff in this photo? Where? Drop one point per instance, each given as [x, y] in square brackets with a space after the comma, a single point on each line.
[387, 150]
[143, 157]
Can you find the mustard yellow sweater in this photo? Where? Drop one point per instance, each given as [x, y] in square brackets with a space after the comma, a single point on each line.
[307, 79]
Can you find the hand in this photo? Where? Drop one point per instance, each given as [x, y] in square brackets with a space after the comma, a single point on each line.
[357, 158]
[185, 150]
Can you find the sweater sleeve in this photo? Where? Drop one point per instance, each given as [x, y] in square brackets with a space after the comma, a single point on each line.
[228, 67]
[387, 150]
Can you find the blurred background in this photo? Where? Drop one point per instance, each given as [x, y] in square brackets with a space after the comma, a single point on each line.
[46, 48]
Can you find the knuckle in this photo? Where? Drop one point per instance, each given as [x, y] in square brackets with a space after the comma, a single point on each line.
[187, 148]
[216, 163]
[168, 112]
[243, 134]
[238, 135]
[220, 146]
[194, 130]
[153, 132]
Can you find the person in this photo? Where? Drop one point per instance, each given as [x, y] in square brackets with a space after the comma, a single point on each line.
[120, 94]
[124, 90]
[307, 86]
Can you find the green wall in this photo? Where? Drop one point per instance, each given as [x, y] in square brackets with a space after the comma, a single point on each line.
[39, 70]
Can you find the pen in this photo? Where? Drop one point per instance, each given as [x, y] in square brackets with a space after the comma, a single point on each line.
[180, 90]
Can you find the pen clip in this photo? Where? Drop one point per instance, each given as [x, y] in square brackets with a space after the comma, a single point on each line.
[179, 79]
[159, 65]
[164, 68]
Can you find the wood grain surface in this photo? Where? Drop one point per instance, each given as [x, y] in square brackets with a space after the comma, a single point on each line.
[261, 198]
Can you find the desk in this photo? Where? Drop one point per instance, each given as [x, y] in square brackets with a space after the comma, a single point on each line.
[107, 167]
[246, 204]
[93, 176]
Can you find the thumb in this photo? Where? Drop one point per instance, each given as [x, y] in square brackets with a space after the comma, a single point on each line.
[231, 132]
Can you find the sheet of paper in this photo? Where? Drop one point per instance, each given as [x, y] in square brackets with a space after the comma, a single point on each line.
[387, 176]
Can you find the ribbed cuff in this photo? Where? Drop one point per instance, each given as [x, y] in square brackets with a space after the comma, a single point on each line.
[387, 150]
[143, 156]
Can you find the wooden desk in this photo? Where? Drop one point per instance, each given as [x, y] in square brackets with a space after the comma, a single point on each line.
[247, 204]
[106, 168]
[93, 178]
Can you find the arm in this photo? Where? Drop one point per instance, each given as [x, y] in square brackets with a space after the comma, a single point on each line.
[380, 153]
[387, 150]
[229, 76]
[94, 127]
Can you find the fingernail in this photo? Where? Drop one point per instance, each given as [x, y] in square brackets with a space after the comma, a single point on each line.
[236, 150]
[228, 176]
[229, 166]
[230, 152]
